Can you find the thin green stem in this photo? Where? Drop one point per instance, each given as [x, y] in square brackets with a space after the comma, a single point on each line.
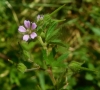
[44, 45]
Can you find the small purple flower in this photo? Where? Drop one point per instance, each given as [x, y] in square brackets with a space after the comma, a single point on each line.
[40, 17]
[28, 30]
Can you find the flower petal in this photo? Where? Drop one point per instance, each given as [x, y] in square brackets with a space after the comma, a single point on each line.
[21, 29]
[27, 24]
[33, 35]
[25, 37]
[40, 17]
[34, 26]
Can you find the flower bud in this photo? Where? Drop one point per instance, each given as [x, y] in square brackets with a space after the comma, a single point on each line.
[75, 66]
[21, 67]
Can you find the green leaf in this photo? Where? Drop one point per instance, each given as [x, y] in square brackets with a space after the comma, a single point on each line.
[54, 12]
[14, 77]
[44, 54]
[98, 83]
[60, 61]
[59, 20]
[95, 30]
[63, 57]
[50, 31]
[41, 80]
[57, 42]
[88, 76]
[44, 58]
[53, 36]
[26, 53]
[27, 46]
[50, 59]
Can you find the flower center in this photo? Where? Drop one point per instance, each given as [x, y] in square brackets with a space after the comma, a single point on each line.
[29, 31]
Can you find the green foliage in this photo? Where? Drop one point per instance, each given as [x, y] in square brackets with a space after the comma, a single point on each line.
[68, 35]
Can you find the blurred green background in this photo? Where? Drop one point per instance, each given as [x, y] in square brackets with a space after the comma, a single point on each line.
[81, 32]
